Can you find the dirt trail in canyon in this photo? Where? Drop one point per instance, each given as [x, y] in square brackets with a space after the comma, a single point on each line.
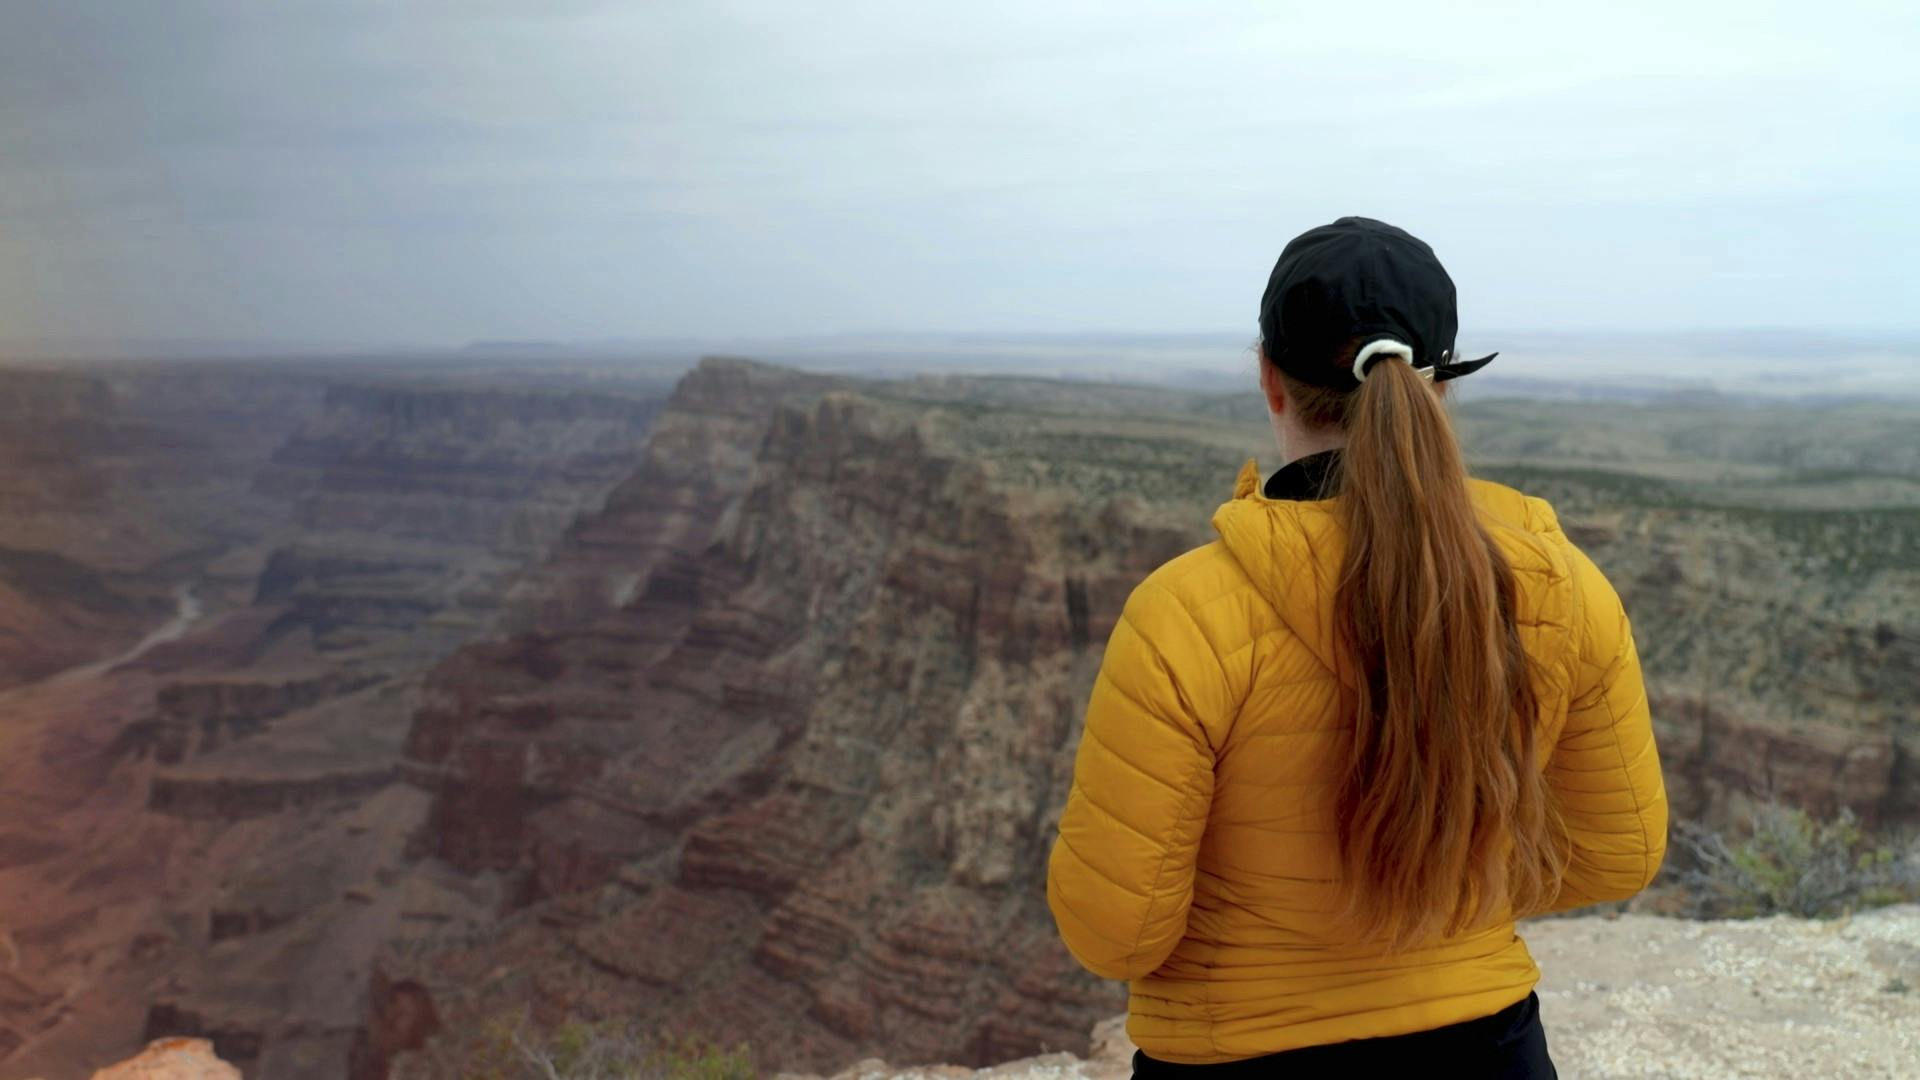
[188, 611]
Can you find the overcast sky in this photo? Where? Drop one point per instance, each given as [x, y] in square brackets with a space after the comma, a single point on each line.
[441, 172]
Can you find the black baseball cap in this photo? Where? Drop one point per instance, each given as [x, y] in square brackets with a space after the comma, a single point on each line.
[1360, 279]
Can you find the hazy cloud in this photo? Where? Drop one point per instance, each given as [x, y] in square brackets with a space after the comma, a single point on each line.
[448, 171]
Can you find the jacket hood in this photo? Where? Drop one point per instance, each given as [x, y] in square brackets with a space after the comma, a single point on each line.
[1292, 550]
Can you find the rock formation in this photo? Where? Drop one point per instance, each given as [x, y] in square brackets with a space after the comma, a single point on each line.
[470, 702]
[204, 830]
[172, 1059]
[1779, 643]
[796, 785]
[786, 821]
[63, 439]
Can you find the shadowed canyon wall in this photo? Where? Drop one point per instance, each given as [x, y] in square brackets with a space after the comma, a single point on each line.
[202, 800]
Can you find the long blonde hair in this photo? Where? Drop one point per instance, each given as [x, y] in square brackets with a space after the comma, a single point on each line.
[1443, 814]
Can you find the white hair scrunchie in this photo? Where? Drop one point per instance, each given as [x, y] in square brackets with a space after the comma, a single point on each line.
[1384, 347]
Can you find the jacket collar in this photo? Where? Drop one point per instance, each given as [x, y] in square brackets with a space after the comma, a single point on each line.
[1310, 478]
[1316, 476]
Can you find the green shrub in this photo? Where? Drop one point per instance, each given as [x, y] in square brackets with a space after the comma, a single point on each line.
[1790, 863]
[574, 1050]
[696, 1058]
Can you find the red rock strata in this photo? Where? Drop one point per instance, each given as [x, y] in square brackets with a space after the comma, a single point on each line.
[803, 775]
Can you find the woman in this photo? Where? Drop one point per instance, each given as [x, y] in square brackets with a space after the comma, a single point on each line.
[1332, 755]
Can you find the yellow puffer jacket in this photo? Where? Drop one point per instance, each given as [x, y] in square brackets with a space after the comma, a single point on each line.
[1195, 852]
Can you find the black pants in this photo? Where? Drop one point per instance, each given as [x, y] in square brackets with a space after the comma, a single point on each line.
[1509, 1045]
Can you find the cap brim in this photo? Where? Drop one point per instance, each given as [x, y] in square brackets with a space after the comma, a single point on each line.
[1443, 372]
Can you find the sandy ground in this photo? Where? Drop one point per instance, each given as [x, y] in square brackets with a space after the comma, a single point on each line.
[1645, 996]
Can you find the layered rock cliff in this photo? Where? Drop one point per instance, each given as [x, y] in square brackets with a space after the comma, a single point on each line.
[418, 504]
[72, 536]
[1770, 556]
[795, 785]
[206, 827]
[1779, 643]
[142, 471]
[799, 782]
[52, 423]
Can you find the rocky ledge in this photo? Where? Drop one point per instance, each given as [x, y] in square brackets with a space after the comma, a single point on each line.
[172, 1059]
[1645, 996]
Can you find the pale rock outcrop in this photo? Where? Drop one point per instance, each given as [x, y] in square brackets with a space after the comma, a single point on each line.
[172, 1058]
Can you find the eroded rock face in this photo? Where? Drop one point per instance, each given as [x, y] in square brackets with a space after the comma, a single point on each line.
[53, 426]
[1715, 756]
[824, 740]
[699, 460]
[137, 471]
[459, 465]
[1773, 660]
[205, 833]
[419, 502]
[402, 1019]
[61, 436]
[56, 613]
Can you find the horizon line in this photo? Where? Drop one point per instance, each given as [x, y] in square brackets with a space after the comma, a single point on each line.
[89, 347]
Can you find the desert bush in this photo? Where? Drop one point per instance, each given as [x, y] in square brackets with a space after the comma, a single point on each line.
[575, 1050]
[1792, 863]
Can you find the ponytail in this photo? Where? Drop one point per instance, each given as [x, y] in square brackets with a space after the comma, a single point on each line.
[1444, 818]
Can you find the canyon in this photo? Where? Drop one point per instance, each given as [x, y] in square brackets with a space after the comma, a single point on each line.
[238, 572]
[744, 706]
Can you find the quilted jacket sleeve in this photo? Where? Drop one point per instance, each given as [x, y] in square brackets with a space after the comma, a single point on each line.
[1120, 877]
[1605, 769]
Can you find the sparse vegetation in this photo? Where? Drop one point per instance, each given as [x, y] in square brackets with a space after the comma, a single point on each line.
[515, 1049]
[1792, 863]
